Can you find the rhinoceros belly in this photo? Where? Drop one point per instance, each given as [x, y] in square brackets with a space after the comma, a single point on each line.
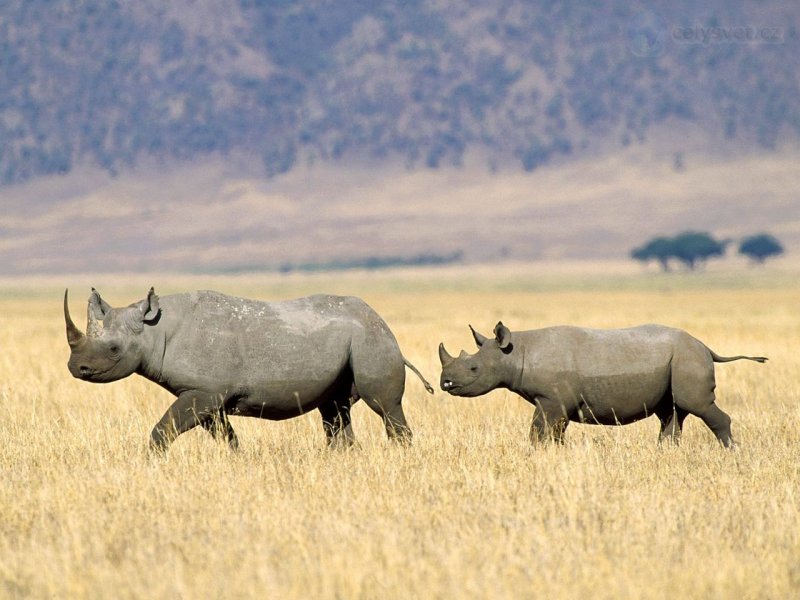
[619, 399]
[622, 374]
[283, 399]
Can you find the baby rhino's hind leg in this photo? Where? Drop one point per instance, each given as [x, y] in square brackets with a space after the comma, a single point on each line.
[671, 418]
[718, 422]
[693, 391]
[336, 423]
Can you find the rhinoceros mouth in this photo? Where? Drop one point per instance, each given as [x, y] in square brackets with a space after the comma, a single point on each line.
[87, 374]
[456, 389]
[83, 373]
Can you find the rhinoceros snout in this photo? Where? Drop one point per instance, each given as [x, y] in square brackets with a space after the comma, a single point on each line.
[80, 371]
[447, 384]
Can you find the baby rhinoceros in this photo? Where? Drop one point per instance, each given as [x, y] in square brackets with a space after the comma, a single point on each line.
[607, 377]
[222, 356]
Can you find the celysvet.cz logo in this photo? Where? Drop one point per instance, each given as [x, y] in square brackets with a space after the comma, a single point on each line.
[705, 34]
[647, 34]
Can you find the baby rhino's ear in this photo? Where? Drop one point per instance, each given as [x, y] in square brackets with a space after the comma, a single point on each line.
[503, 335]
[149, 307]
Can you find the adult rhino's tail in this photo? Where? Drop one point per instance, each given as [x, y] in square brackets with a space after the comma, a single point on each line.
[418, 374]
[723, 359]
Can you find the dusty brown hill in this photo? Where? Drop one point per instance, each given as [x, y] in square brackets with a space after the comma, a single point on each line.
[207, 218]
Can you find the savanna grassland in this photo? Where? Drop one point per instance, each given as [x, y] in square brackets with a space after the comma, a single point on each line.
[469, 510]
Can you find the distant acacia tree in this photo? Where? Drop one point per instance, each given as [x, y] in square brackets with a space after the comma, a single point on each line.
[693, 247]
[660, 249]
[690, 248]
[760, 247]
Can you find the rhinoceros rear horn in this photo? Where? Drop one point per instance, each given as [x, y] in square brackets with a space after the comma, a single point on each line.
[444, 357]
[480, 340]
[74, 335]
[94, 308]
[100, 307]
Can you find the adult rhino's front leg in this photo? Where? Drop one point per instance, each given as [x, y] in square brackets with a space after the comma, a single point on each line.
[220, 428]
[189, 410]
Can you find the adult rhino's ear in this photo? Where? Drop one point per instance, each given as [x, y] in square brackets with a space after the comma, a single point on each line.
[503, 336]
[480, 340]
[149, 307]
[98, 307]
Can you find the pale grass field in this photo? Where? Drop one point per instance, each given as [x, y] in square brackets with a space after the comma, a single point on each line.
[469, 511]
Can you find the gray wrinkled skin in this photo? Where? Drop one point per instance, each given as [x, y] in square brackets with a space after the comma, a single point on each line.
[222, 356]
[606, 377]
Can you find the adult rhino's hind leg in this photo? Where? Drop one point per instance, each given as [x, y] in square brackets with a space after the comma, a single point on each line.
[379, 375]
[394, 419]
[383, 393]
[336, 423]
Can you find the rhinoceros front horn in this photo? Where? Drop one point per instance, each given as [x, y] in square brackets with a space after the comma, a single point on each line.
[444, 357]
[74, 335]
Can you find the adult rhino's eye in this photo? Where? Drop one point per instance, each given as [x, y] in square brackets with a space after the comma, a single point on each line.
[474, 369]
[113, 349]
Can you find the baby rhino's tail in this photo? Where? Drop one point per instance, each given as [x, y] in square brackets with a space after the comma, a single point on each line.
[723, 359]
[424, 381]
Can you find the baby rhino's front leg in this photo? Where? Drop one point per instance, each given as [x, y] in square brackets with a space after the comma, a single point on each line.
[549, 421]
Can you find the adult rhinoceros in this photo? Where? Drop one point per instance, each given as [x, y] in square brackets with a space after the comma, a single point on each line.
[222, 355]
[602, 376]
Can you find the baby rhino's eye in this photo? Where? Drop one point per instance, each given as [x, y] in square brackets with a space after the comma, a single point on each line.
[114, 349]
[473, 369]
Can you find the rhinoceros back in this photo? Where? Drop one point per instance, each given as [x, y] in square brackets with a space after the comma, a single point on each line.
[222, 342]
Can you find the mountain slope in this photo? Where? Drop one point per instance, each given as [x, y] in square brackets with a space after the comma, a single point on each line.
[206, 218]
[415, 83]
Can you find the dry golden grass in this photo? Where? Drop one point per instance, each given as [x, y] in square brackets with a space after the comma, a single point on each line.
[470, 510]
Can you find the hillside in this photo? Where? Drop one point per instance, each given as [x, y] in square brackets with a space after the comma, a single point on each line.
[206, 218]
[415, 84]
